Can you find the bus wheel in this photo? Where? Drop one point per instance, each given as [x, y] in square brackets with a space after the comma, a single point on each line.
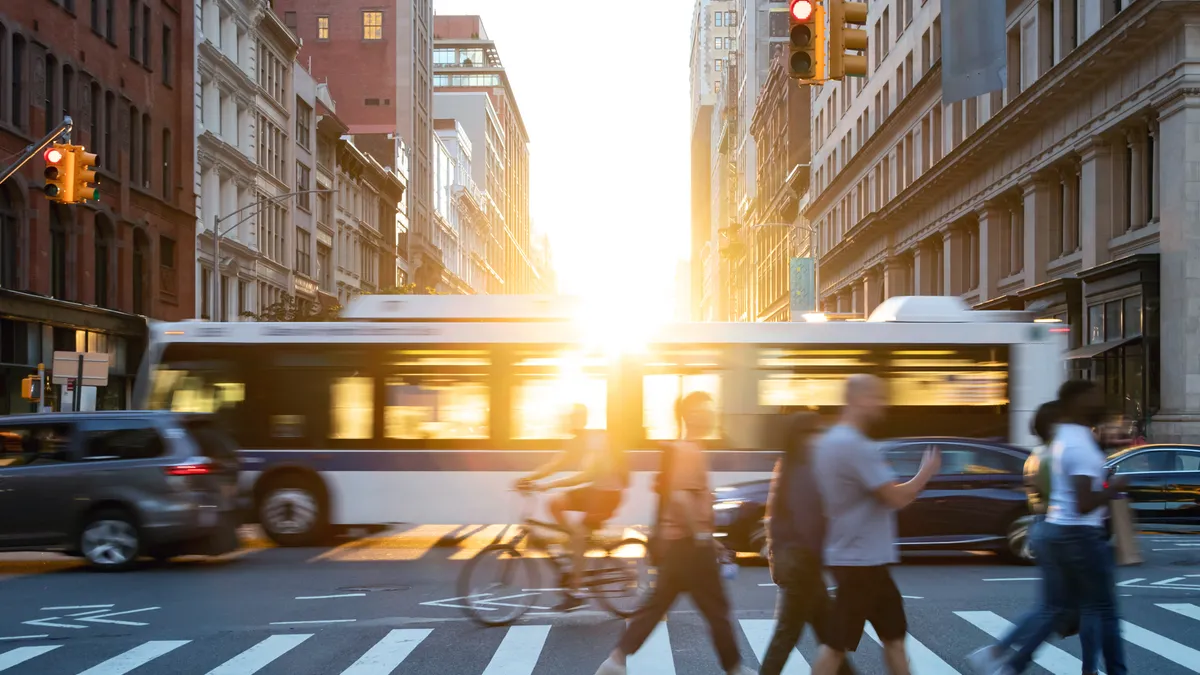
[293, 510]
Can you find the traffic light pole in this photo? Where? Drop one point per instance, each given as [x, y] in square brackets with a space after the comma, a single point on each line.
[63, 129]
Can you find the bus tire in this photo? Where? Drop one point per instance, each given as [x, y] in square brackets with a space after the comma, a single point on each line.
[293, 509]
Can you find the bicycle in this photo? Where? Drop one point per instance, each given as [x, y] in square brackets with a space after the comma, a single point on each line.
[618, 582]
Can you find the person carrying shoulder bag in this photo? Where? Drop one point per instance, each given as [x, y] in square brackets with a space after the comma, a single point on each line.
[683, 546]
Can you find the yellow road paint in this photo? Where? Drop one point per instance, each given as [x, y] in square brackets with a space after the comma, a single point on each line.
[410, 544]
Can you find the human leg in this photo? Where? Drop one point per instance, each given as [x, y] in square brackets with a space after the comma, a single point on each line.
[1054, 606]
[671, 581]
[708, 594]
[847, 619]
[793, 609]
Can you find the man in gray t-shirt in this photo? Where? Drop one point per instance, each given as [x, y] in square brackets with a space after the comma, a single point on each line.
[861, 497]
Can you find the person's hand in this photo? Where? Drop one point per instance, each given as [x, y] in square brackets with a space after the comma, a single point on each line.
[524, 485]
[931, 463]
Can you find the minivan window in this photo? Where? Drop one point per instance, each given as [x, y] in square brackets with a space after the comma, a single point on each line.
[213, 441]
[136, 442]
[34, 444]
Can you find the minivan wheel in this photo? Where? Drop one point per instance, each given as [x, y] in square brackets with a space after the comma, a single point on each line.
[110, 541]
[1018, 548]
[292, 511]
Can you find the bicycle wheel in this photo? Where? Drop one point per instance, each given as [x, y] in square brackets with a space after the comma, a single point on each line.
[620, 580]
[499, 585]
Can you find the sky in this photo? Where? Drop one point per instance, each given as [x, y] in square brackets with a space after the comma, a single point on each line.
[604, 93]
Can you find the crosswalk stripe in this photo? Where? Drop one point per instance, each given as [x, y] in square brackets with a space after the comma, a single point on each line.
[257, 657]
[1165, 647]
[519, 651]
[655, 656]
[16, 657]
[922, 658]
[388, 653]
[1184, 609]
[138, 656]
[1047, 656]
[758, 633]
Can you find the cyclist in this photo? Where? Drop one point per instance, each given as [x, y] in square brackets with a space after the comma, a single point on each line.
[597, 493]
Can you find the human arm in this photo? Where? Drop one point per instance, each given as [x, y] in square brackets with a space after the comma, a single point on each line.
[881, 481]
[1083, 465]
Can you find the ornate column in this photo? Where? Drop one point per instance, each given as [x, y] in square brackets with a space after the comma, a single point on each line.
[895, 277]
[953, 280]
[1035, 192]
[1096, 203]
[923, 262]
[1137, 177]
[992, 219]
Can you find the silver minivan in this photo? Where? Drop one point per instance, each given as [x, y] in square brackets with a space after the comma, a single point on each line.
[115, 486]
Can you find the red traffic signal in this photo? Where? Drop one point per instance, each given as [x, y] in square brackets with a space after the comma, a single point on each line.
[53, 156]
[802, 10]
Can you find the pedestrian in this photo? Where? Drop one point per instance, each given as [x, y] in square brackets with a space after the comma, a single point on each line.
[1076, 540]
[688, 560]
[991, 659]
[861, 496]
[796, 536]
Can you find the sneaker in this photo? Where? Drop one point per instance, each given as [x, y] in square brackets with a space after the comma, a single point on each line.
[986, 661]
[609, 667]
[571, 602]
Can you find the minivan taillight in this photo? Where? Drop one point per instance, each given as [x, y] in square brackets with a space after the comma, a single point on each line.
[189, 470]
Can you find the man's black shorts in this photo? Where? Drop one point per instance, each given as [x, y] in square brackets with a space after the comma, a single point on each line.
[866, 594]
[596, 505]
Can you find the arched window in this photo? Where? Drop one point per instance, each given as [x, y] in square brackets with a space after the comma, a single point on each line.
[141, 272]
[60, 218]
[94, 135]
[102, 272]
[16, 79]
[10, 236]
[51, 94]
[133, 149]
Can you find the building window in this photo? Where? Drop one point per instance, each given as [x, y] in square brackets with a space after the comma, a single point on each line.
[96, 16]
[303, 252]
[168, 49]
[717, 65]
[303, 124]
[322, 28]
[9, 236]
[146, 37]
[324, 267]
[58, 252]
[110, 20]
[134, 39]
[720, 19]
[372, 25]
[303, 184]
[167, 151]
[146, 147]
[102, 258]
[109, 160]
[719, 42]
[50, 92]
[167, 276]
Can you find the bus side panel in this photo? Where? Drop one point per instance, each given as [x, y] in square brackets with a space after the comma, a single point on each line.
[1038, 369]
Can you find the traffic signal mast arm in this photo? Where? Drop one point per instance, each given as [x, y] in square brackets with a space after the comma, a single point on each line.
[64, 128]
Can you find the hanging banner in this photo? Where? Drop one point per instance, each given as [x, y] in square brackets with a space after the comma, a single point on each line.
[974, 49]
[802, 286]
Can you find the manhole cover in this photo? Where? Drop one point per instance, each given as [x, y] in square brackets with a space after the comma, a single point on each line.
[379, 588]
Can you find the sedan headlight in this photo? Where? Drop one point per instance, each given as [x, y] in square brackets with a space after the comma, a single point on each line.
[727, 505]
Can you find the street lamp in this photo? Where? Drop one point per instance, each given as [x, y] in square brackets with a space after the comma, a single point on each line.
[218, 234]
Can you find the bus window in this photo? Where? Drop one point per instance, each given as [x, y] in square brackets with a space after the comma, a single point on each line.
[546, 383]
[195, 388]
[437, 395]
[808, 377]
[352, 408]
[671, 375]
[948, 377]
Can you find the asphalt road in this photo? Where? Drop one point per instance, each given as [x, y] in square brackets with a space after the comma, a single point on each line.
[385, 604]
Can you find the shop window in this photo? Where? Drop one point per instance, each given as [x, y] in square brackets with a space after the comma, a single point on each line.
[1133, 317]
[547, 383]
[1112, 321]
[437, 395]
[1095, 324]
[352, 408]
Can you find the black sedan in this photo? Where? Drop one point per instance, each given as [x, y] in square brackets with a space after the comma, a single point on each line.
[1164, 483]
[976, 502]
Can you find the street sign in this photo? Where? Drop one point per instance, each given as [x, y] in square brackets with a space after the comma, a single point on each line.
[802, 287]
[91, 367]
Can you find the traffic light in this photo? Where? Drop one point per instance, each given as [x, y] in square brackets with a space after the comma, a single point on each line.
[60, 170]
[806, 20]
[847, 31]
[85, 188]
[31, 388]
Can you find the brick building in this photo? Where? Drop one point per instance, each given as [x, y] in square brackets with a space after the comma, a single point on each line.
[74, 278]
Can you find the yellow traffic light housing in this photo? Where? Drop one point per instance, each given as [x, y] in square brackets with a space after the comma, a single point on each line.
[31, 388]
[59, 173]
[806, 19]
[847, 32]
[86, 185]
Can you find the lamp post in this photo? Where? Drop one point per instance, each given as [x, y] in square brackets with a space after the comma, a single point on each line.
[218, 234]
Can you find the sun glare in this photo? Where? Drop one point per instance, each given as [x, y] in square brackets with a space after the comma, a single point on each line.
[615, 324]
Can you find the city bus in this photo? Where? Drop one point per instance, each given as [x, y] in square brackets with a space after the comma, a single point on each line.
[424, 409]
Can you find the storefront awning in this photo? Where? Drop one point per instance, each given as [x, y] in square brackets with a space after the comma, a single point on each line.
[1098, 349]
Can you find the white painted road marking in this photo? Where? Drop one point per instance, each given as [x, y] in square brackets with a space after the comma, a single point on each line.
[388, 653]
[1047, 656]
[1017, 579]
[49, 622]
[104, 618]
[306, 623]
[22, 654]
[329, 597]
[1165, 647]
[62, 609]
[922, 658]
[519, 651]
[257, 657]
[1190, 611]
[758, 633]
[655, 656]
[136, 657]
